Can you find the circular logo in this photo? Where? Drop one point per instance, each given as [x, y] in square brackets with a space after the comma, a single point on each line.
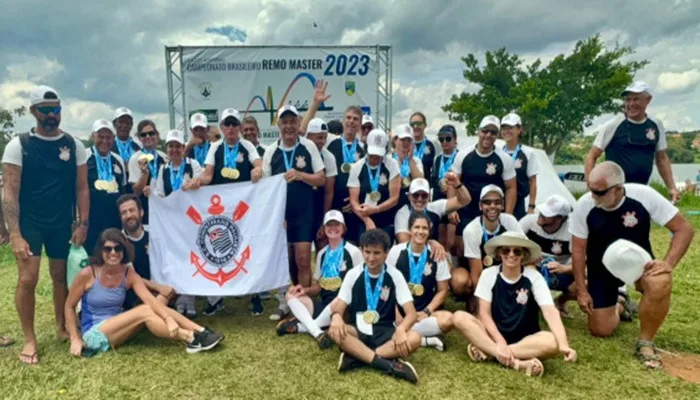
[219, 239]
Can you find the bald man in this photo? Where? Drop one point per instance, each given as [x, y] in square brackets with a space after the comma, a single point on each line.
[613, 210]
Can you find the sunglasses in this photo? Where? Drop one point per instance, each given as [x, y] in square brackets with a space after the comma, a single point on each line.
[492, 202]
[420, 196]
[231, 122]
[417, 124]
[507, 250]
[49, 110]
[601, 193]
[366, 127]
[113, 249]
[149, 134]
[493, 132]
[445, 139]
[217, 137]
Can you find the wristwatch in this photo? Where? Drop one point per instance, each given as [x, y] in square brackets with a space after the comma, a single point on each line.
[84, 223]
[531, 206]
[459, 186]
[427, 311]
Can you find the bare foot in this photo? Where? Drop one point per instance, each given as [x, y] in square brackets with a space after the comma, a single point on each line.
[29, 354]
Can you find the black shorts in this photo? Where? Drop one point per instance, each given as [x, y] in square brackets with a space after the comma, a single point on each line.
[382, 334]
[54, 240]
[517, 335]
[300, 228]
[560, 282]
[604, 292]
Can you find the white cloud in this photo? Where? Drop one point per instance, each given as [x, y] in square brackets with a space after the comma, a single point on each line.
[678, 82]
[32, 68]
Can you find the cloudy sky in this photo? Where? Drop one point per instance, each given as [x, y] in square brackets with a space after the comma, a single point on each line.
[100, 55]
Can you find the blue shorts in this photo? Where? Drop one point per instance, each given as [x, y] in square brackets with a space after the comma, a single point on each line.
[96, 341]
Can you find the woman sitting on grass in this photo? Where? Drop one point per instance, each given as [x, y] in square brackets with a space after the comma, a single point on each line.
[510, 298]
[102, 289]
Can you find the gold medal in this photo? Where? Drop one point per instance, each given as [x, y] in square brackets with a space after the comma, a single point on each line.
[375, 196]
[488, 261]
[443, 185]
[324, 283]
[147, 157]
[346, 167]
[406, 182]
[226, 172]
[336, 283]
[370, 317]
[101, 184]
[113, 186]
[418, 290]
[234, 174]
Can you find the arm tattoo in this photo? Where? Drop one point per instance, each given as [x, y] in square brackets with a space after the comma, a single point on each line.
[10, 201]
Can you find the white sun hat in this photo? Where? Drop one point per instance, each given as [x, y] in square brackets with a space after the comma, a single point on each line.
[626, 260]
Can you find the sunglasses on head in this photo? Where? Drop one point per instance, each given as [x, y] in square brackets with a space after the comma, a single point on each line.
[113, 249]
[507, 250]
[417, 124]
[493, 132]
[49, 110]
[149, 134]
[492, 202]
[420, 196]
[601, 193]
[445, 139]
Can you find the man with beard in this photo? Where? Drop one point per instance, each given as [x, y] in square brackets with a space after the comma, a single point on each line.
[198, 147]
[124, 145]
[45, 178]
[425, 149]
[251, 133]
[130, 213]
[491, 224]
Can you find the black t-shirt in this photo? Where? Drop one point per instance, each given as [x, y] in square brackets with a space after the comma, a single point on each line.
[167, 183]
[440, 159]
[141, 263]
[359, 177]
[432, 273]
[520, 164]
[341, 180]
[125, 157]
[261, 150]
[426, 150]
[199, 152]
[352, 256]
[477, 170]
[243, 163]
[103, 204]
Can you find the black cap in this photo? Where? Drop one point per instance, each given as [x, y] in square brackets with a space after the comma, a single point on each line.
[449, 129]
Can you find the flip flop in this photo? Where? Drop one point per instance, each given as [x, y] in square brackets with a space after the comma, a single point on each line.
[531, 364]
[31, 357]
[6, 341]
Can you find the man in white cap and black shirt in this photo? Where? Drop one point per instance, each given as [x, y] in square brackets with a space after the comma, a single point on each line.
[317, 132]
[425, 149]
[613, 210]
[124, 145]
[524, 163]
[198, 147]
[45, 180]
[634, 141]
[549, 228]
[492, 223]
[107, 181]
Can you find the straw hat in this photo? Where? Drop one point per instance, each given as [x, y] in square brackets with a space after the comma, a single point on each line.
[513, 239]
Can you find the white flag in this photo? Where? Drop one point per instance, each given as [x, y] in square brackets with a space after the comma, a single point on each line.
[223, 240]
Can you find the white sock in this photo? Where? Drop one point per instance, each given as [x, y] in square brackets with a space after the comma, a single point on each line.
[432, 341]
[302, 314]
[213, 299]
[427, 327]
[324, 318]
[301, 328]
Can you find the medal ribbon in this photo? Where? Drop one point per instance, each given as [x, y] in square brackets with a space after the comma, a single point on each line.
[405, 167]
[420, 148]
[200, 152]
[332, 261]
[349, 153]
[372, 296]
[104, 166]
[125, 149]
[289, 161]
[176, 177]
[231, 156]
[153, 165]
[514, 156]
[446, 164]
[487, 234]
[417, 267]
[373, 180]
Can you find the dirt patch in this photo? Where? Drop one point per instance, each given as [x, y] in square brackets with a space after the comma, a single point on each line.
[683, 366]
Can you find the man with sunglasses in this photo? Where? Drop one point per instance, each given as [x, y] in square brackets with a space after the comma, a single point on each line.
[447, 136]
[614, 210]
[492, 223]
[425, 149]
[367, 126]
[45, 179]
[124, 145]
[634, 141]
[524, 163]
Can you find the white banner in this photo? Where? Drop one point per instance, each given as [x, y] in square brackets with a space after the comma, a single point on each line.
[257, 81]
[224, 240]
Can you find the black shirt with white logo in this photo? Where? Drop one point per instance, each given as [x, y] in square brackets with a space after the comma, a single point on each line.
[432, 273]
[103, 203]
[428, 157]
[556, 245]
[335, 146]
[247, 154]
[352, 256]
[434, 176]
[359, 178]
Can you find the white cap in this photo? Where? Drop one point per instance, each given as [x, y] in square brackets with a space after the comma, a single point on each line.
[404, 131]
[229, 112]
[366, 119]
[333, 215]
[376, 142]
[317, 125]
[120, 112]
[488, 189]
[38, 95]
[419, 185]
[175, 136]
[100, 124]
[626, 260]
[511, 119]
[198, 120]
[287, 109]
[555, 205]
[636, 87]
[490, 120]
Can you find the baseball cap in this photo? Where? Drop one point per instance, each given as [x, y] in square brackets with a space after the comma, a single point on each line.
[376, 142]
[198, 120]
[120, 112]
[419, 185]
[229, 112]
[626, 260]
[447, 129]
[488, 189]
[333, 215]
[511, 119]
[317, 125]
[636, 87]
[39, 95]
[366, 119]
[175, 136]
[287, 109]
[490, 120]
[404, 131]
[555, 205]
[100, 124]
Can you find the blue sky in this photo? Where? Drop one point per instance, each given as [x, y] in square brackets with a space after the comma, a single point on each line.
[101, 55]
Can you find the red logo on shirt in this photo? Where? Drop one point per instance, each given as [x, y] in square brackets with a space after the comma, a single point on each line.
[629, 220]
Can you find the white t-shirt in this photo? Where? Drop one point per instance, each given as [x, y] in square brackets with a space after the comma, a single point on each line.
[355, 255]
[562, 235]
[250, 147]
[316, 162]
[135, 170]
[508, 168]
[607, 132]
[532, 167]
[418, 161]
[196, 172]
[487, 280]
[443, 270]
[354, 177]
[660, 209]
[329, 163]
[13, 150]
[473, 234]
[438, 207]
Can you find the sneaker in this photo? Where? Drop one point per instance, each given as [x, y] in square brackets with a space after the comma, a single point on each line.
[191, 312]
[265, 296]
[324, 341]
[287, 327]
[348, 363]
[279, 313]
[212, 309]
[403, 370]
[203, 341]
[256, 306]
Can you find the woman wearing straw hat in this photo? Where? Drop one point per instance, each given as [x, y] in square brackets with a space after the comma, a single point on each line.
[510, 297]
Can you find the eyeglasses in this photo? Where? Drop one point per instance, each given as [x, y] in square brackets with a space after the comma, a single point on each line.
[113, 249]
[601, 193]
[49, 110]
[445, 139]
[420, 196]
[417, 124]
[492, 202]
[149, 134]
[507, 250]
[493, 132]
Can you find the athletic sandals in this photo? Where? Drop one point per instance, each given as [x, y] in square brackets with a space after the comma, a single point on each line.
[325, 342]
[475, 354]
[628, 307]
[531, 367]
[651, 361]
[287, 327]
[6, 341]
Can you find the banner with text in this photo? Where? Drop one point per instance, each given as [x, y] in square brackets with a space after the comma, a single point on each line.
[224, 240]
[258, 81]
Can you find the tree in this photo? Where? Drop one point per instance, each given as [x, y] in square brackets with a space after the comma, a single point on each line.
[555, 102]
[677, 150]
[7, 125]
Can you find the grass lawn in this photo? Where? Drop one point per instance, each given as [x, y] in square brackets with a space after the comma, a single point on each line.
[253, 362]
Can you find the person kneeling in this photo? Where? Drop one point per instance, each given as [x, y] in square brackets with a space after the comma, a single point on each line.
[371, 294]
[102, 289]
[509, 296]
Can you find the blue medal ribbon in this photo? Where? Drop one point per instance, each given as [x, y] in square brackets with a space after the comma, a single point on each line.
[104, 166]
[200, 152]
[372, 296]
[374, 180]
[405, 166]
[231, 156]
[446, 164]
[514, 156]
[152, 165]
[176, 177]
[349, 153]
[332, 261]
[420, 148]
[417, 267]
[487, 234]
[289, 161]
[126, 150]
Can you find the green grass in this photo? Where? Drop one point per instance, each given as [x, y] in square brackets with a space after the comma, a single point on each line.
[254, 363]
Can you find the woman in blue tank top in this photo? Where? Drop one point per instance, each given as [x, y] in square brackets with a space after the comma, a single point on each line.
[102, 289]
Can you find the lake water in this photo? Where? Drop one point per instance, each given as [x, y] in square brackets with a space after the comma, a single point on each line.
[681, 172]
